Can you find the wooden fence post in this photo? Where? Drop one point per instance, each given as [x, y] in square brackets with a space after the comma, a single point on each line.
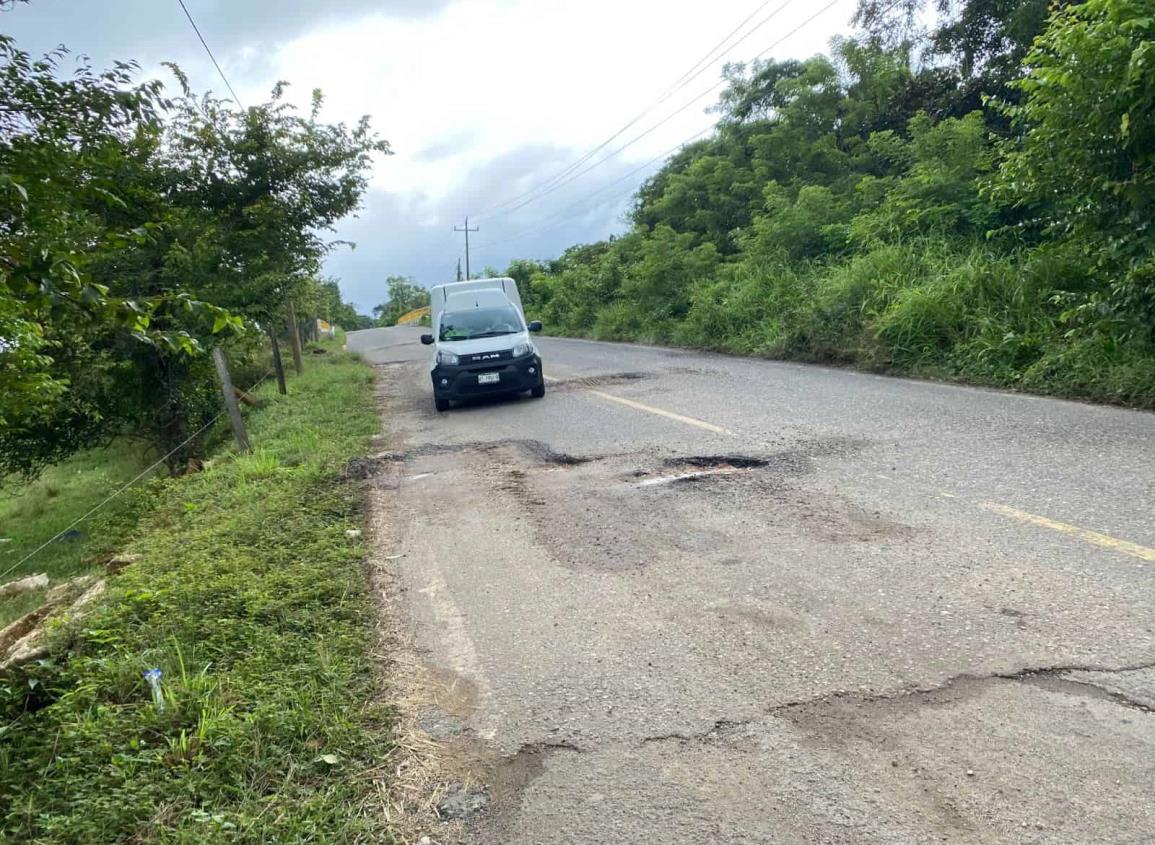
[295, 338]
[278, 366]
[231, 400]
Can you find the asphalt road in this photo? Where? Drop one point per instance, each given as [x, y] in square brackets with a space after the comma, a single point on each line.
[689, 598]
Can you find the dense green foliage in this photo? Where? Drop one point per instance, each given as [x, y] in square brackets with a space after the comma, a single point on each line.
[136, 231]
[328, 305]
[251, 599]
[405, 295]
[982, 214]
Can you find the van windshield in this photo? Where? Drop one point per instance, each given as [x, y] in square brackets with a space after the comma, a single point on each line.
[480, 322]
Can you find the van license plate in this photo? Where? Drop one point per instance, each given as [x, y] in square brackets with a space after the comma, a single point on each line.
[488, 378]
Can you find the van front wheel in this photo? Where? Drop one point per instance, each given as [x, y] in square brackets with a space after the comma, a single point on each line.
[440, 403]
[538, 391]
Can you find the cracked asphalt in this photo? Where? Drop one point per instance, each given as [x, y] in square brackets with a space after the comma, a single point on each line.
[689, 598]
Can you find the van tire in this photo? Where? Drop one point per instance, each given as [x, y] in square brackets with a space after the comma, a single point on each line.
[440, 403]
[539, 391]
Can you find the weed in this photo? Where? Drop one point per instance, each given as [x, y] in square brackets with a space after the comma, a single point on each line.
[251, 600]
[32, 513]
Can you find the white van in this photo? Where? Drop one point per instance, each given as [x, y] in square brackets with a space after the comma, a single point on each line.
[481, 342]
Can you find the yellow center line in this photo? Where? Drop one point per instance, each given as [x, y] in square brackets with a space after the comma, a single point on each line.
[670, 415]
[1093, 537]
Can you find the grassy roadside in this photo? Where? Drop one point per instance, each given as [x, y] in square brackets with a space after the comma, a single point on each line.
[32, 514]
[933, 307]
[252, 601]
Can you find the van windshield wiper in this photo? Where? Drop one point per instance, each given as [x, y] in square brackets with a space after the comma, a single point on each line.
[490, 334]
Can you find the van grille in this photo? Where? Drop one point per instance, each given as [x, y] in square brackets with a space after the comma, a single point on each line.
[486, 357]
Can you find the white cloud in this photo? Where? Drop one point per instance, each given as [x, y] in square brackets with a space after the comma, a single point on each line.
[509, 92]
[518, 72]
[481, 99]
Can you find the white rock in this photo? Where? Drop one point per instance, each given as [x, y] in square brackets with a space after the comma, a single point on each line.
[24, 585]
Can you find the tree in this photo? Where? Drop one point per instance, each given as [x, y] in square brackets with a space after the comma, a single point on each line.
[405, 295]
[136, 231]
[65, 143]
[1083, 164]
[974, 51]
[327, 303]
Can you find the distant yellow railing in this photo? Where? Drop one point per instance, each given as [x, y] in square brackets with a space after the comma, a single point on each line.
[413, 317]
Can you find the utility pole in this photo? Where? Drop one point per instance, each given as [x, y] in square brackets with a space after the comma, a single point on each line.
[230, 395]
[459, 269]
[467, 230]
[294, 336]
[277, 365]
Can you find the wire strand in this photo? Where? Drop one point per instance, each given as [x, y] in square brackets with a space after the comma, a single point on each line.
[205, 44]
[121, 489]
[668, 117]
[679, 84]
[557, 218]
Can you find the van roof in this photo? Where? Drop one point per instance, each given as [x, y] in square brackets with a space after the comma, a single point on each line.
[482, 298]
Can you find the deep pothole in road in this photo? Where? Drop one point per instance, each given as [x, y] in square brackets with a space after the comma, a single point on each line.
[538, 452]
[606, 380]
[718, 462]
[695, 469]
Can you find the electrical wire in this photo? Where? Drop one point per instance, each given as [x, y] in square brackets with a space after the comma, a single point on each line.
[668, 117]
[122, 488]
[205, 44]
[549, 224]
[679, 84]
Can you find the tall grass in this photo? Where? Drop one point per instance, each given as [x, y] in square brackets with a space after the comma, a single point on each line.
[31, 513]
[251, 600]
[933, 306]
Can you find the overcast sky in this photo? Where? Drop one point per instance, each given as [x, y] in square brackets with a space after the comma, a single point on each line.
[482, 100]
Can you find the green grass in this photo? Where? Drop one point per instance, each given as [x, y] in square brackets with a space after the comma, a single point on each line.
[32, 513]
[252, 600]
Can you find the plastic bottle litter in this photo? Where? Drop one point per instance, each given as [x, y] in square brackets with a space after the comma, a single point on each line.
[152, 676]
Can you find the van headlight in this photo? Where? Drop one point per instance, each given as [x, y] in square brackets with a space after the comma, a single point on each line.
[521, 349]
[447, 358]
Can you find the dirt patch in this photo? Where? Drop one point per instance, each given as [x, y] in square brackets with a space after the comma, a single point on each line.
[361, 469]
[535, 450]
[511, 775]
[596, 381]
[833, 518]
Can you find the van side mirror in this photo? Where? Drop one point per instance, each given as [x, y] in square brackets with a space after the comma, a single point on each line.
[534, 326]
[427, 339]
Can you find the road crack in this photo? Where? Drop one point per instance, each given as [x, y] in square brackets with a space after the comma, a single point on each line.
[1052, 678]
[1025, 675]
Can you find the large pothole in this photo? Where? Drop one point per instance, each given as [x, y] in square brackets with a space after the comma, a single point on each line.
[707, 462]
[588, 382]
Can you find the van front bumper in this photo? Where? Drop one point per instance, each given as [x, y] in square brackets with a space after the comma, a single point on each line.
[513, 376]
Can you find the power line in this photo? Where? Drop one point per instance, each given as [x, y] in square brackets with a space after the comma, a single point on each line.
[121, 489]
[556, 222]
[668, 117]
[709, 57]
[467, 230]
[205, 44]
[551, 222]
[685, 79]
